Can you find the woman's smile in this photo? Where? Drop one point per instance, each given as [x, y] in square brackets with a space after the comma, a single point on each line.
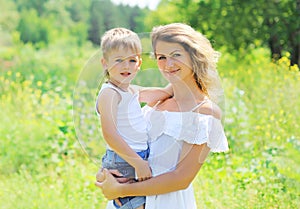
[171, 72]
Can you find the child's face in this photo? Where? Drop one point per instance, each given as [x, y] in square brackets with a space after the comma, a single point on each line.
[122, 65]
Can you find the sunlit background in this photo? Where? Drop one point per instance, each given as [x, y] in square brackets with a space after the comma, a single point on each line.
[48, 48]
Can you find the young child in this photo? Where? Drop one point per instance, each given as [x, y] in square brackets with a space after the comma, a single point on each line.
[123, 125]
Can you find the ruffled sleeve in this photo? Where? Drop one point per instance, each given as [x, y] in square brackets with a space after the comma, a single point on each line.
[195, 128]
[217, 139]
[191, 127]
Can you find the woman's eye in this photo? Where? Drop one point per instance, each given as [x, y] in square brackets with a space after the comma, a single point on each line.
[176, 55]
[161, 57]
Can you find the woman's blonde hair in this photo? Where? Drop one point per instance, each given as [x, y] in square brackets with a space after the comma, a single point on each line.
[202, 54]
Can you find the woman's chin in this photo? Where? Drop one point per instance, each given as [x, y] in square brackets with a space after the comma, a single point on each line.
[172, 78]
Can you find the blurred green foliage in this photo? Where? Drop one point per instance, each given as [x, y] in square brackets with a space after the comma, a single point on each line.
[238, 25]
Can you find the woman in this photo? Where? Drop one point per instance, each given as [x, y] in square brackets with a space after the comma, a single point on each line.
[184, 128]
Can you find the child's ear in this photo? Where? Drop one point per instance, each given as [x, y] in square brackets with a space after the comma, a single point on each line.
[104, 63]
[140, 61]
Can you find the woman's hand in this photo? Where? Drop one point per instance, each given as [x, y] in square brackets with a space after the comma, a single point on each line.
[119, 177]
[109, 185]
[100, 175]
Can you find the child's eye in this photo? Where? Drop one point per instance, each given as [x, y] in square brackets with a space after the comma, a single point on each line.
[133, 60]
[119, 60]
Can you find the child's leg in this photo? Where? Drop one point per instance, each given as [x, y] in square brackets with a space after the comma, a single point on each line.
[137, 202]
[141, 207]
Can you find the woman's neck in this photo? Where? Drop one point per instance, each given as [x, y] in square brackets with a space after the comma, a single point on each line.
[187, 92]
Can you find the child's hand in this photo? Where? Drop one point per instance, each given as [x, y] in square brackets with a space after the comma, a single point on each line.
[100, 175]
[110, 187]
[143, 171]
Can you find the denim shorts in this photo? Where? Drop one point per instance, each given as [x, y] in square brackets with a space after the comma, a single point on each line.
[131, 202]
[112, 160]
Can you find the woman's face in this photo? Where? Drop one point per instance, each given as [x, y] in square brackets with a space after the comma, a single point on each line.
[173, 61]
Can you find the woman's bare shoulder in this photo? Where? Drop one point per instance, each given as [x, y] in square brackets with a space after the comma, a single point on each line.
[210, 108]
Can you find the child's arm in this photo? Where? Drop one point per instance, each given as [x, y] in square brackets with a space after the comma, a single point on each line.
[175, 180]
[151, 95]
[107, 107]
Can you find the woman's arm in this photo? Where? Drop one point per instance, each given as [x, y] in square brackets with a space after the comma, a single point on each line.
[175, 180]
[151, 95]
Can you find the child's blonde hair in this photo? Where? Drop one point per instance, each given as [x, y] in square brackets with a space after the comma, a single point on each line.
[116, 38]
[203, 56]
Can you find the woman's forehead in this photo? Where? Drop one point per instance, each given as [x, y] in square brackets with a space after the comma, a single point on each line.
[164, 47]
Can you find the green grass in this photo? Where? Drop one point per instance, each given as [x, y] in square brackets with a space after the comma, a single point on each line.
[42, 164]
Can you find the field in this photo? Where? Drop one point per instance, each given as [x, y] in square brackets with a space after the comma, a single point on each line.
[43, 165]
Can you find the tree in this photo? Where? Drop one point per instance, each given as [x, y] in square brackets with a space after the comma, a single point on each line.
[79, 10]
[33, 29]
[281, 24]
[37, 5]
[9, 16]
[104, 15]
[244, 24]
[238, 24]
[101, 19]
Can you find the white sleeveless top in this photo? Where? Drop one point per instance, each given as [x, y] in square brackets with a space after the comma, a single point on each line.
[131, 124]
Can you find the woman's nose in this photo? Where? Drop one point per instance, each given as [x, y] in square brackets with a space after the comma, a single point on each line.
[169, 62]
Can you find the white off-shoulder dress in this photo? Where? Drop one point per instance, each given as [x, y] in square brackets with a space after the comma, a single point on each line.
[168, 131]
